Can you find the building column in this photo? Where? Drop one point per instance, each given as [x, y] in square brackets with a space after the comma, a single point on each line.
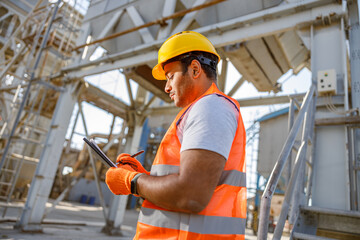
[354, 40]
[330, 188]
[42, 182]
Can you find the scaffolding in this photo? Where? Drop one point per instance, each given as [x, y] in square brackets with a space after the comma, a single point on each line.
[27, 93]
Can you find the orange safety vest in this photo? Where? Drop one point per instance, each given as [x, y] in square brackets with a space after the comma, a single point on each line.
[225, 215]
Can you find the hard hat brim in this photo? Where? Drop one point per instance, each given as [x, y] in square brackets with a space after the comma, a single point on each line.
[158, 72]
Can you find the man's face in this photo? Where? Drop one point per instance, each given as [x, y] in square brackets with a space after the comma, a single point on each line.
[181, 87]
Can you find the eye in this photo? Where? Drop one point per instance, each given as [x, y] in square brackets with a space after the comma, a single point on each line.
[170, 76]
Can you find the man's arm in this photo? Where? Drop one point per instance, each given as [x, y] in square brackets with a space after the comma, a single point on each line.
[191, 189]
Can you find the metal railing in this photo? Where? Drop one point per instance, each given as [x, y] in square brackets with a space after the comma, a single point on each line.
[306, 112]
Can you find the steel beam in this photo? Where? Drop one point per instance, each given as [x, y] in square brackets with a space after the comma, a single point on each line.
[237, 85]
[282, 18]
[169, 8]
[188, 18]
[260, 101]
[138, 21]
[107, 29]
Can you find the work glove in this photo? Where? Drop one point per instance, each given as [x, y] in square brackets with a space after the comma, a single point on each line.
[119, 179]
[125, 159]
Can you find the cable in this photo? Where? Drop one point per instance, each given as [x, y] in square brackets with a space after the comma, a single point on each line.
[332, 108]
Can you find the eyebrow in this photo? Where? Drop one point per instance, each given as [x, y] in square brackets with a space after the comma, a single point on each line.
[166, 73]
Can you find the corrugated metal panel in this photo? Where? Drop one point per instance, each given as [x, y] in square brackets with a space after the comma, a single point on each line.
[272, 136]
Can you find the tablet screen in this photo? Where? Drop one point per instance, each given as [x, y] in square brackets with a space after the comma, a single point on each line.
[98, 153]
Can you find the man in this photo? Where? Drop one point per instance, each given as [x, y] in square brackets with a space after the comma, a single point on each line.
[196, 188]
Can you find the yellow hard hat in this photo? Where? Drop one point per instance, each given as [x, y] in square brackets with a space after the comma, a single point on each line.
[178, 44]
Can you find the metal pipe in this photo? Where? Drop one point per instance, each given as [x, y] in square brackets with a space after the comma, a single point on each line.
[312, 157]
[276, 173]
[27, 92]
[290, 125]
[158, 21]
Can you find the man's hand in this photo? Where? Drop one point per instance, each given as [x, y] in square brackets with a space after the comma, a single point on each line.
[126, 159]
[119, 179]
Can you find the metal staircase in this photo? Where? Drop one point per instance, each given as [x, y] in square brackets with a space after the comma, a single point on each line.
[321, 223]
[310, 222]
[306, 116]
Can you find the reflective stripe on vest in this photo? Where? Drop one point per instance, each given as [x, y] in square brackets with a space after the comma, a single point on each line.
[229, 177]
[193, 223]
[225, 215]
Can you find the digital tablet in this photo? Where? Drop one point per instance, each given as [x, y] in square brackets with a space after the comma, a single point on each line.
[98, 153]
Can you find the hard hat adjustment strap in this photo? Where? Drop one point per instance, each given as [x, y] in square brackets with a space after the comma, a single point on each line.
[200, 58]
[207, 61]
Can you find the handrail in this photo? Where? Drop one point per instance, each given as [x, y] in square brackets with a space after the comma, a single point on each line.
[294, 184]
[276, 173]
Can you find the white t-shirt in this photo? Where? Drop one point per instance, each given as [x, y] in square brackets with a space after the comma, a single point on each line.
[209, 124]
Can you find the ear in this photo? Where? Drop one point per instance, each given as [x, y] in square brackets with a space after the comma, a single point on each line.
[195, 68]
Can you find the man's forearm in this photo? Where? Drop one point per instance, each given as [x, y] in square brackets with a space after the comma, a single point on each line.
[168, 192]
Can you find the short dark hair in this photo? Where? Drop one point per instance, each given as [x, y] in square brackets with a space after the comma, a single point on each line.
[207, 60]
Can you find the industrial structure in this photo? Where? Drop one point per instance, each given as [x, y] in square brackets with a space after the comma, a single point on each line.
[309, 153]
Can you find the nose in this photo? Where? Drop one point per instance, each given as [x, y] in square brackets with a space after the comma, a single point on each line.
[168, 87]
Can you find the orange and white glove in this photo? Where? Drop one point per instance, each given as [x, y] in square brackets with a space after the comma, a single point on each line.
[126, 159]
[119, 179]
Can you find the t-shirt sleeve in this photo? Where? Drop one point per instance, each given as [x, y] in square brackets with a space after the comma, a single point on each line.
[211, 125]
